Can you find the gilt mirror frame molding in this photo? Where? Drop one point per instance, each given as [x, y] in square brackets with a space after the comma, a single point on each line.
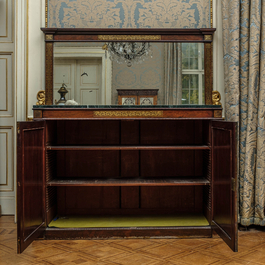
[52, 35]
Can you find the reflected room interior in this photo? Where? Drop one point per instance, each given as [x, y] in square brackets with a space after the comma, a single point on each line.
[129, 73]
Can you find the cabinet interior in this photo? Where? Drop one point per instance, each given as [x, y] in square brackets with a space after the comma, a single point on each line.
[128, 173]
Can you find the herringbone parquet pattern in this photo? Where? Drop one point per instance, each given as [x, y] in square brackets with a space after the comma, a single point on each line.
[131, 251]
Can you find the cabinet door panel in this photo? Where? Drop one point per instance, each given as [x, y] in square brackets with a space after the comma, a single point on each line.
[31, 182]
[224, 179]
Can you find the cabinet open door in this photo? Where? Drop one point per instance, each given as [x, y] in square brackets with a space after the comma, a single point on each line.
[30, 181]
[224, 181]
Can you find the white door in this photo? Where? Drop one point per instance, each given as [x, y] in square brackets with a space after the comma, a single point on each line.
[88, 82]
[83, 79]
[7, 108]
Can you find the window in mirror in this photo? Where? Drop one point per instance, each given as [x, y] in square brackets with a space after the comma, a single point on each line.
[192, 73]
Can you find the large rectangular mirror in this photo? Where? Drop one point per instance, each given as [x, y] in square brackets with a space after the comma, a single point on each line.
[99, 73]
[136, 67]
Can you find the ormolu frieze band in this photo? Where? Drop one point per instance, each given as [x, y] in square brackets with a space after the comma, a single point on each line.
[129, 37]
[123, 113]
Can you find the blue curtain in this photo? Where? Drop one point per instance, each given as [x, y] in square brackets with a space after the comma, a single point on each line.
[244, 64]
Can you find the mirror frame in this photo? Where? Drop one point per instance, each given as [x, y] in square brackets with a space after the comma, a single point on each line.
[52, 35]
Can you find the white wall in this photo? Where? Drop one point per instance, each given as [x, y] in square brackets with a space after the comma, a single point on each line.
[36, 59]
[218, 69]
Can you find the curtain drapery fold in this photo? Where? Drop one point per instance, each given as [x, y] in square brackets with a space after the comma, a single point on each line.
[173, 74]
[244, 67]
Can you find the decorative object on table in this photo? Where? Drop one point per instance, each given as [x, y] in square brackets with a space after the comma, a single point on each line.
[137, 96]
[71, 102]
[128, 52]
[41, 98]
[216, 98]
[62, 91]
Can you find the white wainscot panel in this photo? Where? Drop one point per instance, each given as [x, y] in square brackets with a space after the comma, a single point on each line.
[6, 21]
[6, 88]
[6, 161]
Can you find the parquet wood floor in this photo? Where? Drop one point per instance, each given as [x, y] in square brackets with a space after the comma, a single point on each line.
[131, 251]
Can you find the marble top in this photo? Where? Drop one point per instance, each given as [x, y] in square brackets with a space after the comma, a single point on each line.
[123, 106]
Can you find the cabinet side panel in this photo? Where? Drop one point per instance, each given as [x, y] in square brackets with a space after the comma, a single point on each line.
[207, 190]
[51, 132]
[224, 182]
[33, 182]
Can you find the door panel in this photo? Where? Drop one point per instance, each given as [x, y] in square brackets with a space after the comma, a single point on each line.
[83, 79]
[31, 182]
[88, 82]
[64, 72]
[224, 179]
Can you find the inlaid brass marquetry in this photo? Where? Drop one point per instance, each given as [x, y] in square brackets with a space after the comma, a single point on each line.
[129, 113]
[49, 73]
[217, 114]
[46, 13]
[129, 37]
[211, 11]
[49, 37]
[208, 71]
[208, 37]
[37, 113]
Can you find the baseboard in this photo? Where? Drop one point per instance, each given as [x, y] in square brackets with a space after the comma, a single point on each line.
[7, 205]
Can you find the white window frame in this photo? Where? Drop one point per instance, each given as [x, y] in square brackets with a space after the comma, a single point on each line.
[199, 72]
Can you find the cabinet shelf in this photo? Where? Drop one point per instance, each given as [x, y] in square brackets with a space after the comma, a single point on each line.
[132, 221]
[109, 148]
[179, 181]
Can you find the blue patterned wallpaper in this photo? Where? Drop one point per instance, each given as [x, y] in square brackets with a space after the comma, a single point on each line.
[129, 13]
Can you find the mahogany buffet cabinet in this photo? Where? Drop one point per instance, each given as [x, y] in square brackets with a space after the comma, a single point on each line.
[115, 171]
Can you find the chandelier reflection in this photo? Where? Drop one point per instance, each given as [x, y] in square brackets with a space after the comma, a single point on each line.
[129, 52]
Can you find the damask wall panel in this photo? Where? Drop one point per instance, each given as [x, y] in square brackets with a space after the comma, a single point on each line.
[6, 20]
[129, 14]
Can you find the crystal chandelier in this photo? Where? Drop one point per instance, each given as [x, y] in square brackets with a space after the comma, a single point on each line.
[129, 52]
